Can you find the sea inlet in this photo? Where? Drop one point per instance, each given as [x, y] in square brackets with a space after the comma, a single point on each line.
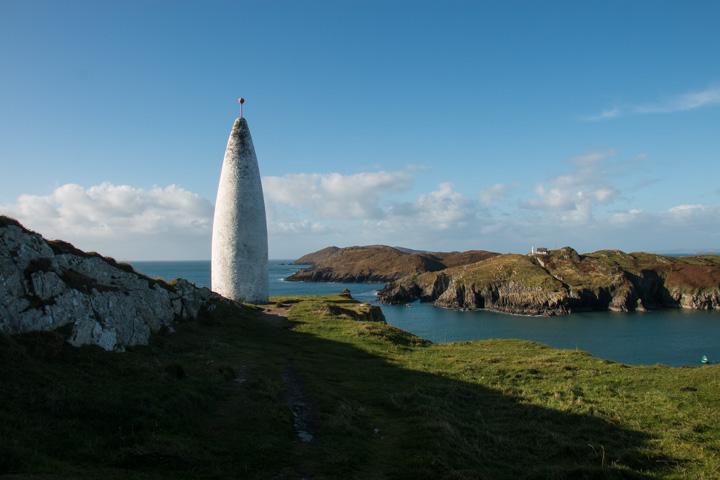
[672, 337]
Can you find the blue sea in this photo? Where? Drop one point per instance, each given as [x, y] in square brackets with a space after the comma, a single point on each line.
[669, 337]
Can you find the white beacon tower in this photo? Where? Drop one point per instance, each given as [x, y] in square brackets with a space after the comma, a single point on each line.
[239, 237]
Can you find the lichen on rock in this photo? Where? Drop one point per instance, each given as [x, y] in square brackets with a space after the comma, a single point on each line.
[47, 285]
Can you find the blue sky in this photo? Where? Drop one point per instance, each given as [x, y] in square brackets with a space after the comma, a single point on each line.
[433, 125]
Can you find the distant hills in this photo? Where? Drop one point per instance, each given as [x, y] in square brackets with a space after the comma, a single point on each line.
[554, 284]
[377, 263]
[688, 253]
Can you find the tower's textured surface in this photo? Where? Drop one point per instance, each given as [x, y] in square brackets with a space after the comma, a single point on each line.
[239, 239]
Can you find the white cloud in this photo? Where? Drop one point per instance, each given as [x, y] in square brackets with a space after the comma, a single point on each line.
[680, 228]
[567, 209]
[553, 199]
[307, 212]
[679, 103]
[626, 217]
[592, 158]
[574, 194]
[121, 221]
[302, 227]
[689, 220]
[692, 214]
[438, 210]
[336, 196]
[494, 193]
[638, 158]
[359, 209]
[413, 167]
[605, 114]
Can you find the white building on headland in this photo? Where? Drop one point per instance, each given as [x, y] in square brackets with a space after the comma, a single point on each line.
[539, 251]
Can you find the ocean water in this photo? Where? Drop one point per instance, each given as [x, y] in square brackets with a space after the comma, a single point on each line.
[670, 337]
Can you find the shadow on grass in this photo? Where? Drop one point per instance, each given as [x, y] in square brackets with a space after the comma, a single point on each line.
[384, 415]
[165, 411]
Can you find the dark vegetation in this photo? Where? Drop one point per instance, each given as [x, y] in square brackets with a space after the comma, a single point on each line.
[6, 221]
[211, 401]
[74, 279]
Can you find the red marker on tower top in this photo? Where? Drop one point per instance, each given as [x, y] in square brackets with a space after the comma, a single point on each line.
[241, 101]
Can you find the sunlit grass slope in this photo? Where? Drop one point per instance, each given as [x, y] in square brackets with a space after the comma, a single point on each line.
[210, 401]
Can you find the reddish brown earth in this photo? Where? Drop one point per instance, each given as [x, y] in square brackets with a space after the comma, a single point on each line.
[694, 276]
[380, 264]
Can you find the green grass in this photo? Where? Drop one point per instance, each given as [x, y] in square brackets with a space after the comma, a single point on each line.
[388, 405]
[504, 268]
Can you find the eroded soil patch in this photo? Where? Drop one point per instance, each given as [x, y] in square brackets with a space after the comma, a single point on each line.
[275, 313]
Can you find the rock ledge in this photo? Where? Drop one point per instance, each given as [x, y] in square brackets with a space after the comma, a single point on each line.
[45, 285]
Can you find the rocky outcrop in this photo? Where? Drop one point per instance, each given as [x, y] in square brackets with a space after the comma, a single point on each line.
[361, 312]
[565, 282]
[47, 285]
[378, 263]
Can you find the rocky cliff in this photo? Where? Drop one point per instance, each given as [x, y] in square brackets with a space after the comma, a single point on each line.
[46, 285]
[563, 282]
[378, 263]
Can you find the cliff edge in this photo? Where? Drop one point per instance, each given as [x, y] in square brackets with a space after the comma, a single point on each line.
[46, 285]
[564, 282]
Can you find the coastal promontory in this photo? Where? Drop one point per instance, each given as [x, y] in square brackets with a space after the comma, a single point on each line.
[563, 282]
[554, 283]
[377, 263]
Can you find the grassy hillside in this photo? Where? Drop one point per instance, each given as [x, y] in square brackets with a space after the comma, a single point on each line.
[687, 274]
[378, 263]
[315, 257]
[370, 264]
[563, 282]
[226, 396]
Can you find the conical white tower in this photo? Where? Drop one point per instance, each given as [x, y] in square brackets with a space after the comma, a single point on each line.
[239, 238]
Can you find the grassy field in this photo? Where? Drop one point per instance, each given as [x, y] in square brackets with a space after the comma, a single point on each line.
[226, 396]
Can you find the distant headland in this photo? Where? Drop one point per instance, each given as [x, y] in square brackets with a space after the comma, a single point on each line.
[554, 282]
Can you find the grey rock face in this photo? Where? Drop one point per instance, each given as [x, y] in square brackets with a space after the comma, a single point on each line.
[239, 240]
[698, 301]
[108, 304]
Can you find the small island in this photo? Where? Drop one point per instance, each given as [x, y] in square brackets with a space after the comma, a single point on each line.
[558, 282]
